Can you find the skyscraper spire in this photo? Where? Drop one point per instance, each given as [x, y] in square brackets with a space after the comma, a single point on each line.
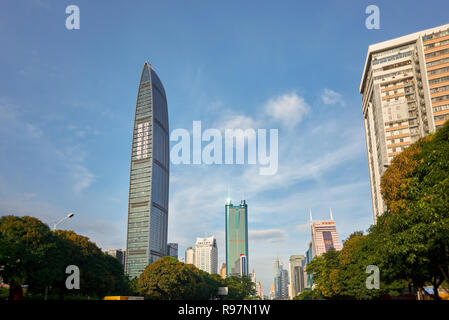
[311, 216]
[330, 211]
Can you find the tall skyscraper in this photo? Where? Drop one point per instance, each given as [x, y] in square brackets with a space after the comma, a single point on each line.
[190, 256]
[405, 88]
[296, 269]
[280, 280]
[149, 176]
[172, 250]
[324, 235]
[206, 254]
[236, 238]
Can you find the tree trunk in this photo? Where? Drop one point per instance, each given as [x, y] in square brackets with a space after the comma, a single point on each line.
[419, 294]
[435, 292]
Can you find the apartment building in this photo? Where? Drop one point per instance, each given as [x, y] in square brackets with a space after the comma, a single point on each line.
[405, 88]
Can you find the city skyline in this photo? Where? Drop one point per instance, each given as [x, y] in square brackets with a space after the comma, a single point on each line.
[71, 95]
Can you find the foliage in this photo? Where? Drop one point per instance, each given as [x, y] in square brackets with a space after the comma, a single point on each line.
[414, 232]
[32, 254]
[410, 241]
[169, 279]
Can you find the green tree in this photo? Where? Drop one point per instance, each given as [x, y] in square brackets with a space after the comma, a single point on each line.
[413, 235]
[30, 253]
[239, 288]
[169, 279]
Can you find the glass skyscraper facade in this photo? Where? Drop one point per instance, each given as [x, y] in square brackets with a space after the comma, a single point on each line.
[149, 176]
[236, 238]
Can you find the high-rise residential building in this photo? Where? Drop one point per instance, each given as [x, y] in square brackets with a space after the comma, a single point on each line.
[236, 238]
[206, 254]
[190, 256]
[296, 269]
[324, 235]
[119, 254]
[172, 250]
[280, 280]
[149, 176]
[405, 88]
[223, 271]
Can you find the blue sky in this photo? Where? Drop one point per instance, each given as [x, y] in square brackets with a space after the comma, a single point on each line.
[67, 102]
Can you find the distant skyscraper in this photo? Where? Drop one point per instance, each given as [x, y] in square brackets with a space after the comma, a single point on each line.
[296, 269]
[405, 87]
[223, 271]
[280, 280]
[236, 238]
[172, 250]
[324, 235]
[206, 254]
[149, 176]
[308, 283]
[272, 293]
[253, 276]
[119, 254]
[190, 256]
[284, 284]
[259, 291]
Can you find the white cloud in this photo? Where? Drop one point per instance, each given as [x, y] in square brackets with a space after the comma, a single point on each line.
[331, 97]
[82, 178]
[271, 235]
[289, 109]
[303, 227]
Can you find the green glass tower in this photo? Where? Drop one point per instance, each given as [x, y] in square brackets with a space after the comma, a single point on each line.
[236, 239]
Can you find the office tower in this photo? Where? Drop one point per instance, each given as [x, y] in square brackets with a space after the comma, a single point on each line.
[236, 238]
[149, 173]
[296, 269]
[119, 254]
[172, 250]
[324, 235]
[405, 88]
[308, 282]
[190, 256]
[280, 280]
[284, 281]
[206, 254]
[223, 271]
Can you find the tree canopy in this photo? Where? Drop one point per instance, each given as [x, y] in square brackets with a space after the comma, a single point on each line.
[169, 279]
[410, 241]
[32, 254]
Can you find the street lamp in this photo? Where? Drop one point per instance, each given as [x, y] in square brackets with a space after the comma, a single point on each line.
[71, 214]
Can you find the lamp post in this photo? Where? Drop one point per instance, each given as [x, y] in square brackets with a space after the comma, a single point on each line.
[68, 216]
